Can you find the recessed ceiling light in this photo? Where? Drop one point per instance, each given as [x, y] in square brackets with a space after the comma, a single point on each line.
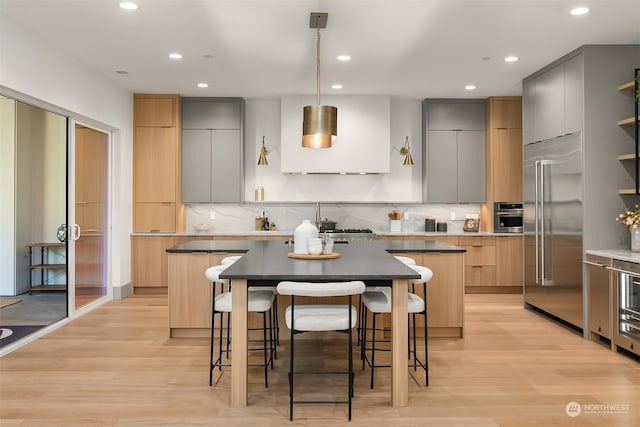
[128, 5]
[303, 173]
[362, 173]
[175, 55]
[511, 59]
[343, 173]
[336, 86]
[122, 72]
[344, 58]
[203, 85]
[580, 11]
[470, 87]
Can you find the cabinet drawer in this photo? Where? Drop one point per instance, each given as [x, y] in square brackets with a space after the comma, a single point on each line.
[480, 255]
[155, 217]
[480, 275]
[149, 260]
[476, 241]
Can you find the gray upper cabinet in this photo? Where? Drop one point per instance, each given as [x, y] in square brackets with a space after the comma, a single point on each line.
[574, 94]
[549, 106]
[455, 151]
[212, 150]
[455, 116]
[553, 101]
[208, 114]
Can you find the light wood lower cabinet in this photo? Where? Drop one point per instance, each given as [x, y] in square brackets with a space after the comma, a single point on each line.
[149, 263]
[190, 293]
[493, 264]
[445, 294]
[510, 261]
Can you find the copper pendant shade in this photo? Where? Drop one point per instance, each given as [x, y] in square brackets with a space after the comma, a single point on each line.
[320, 122]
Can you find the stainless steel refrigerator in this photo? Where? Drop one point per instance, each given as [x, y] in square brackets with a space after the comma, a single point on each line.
[553, 218]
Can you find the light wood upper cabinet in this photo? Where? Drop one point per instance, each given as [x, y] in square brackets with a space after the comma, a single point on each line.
[155, 111]
[503, 155]
[156, 164]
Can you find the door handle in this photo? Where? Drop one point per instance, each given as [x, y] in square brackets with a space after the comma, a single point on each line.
[76, 232]
[535, 220]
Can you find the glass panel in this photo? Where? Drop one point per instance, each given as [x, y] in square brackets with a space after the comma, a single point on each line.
[91, 148]
[33, 147]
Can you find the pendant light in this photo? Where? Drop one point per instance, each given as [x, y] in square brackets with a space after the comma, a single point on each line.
[262, 160]
[406, 152]
[320, 122]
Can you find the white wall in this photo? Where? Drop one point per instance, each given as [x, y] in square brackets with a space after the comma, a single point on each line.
[46, 76]
[402, 184]
[7, 191]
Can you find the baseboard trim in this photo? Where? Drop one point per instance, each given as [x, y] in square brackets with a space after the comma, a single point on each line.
[121, 292]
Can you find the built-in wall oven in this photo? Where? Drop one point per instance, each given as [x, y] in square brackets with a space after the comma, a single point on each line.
[627, 308]
[507, 217]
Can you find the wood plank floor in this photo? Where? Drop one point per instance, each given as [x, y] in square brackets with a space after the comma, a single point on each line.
[117, 367]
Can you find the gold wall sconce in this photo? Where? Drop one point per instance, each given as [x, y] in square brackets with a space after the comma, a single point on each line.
[262, 160]
[406, 152]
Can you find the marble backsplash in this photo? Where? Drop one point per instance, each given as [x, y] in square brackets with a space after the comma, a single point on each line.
[240, 218]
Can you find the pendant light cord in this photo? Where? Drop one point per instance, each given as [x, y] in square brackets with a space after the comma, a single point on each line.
[318, 65]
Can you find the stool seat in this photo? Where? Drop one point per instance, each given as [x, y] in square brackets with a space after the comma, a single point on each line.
[230, 259]
[213, 274]
[380, 302]
[322, 317]
[405, 259]
[259, 301]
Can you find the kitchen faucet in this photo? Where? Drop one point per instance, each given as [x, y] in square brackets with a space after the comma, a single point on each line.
[318, 216]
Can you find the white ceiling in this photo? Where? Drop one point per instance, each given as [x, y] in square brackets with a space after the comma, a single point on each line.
[265, 48]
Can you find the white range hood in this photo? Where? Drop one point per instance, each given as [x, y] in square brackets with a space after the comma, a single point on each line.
[362, 144]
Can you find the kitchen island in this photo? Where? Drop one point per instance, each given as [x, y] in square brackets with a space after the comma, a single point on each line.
[266, 262]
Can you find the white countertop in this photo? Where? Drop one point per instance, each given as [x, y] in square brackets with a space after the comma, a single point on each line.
[622, 255]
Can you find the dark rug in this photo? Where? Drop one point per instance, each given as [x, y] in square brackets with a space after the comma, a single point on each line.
[9, 334]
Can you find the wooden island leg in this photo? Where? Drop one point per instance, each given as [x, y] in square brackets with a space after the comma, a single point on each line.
[239, 337]
[399, 329]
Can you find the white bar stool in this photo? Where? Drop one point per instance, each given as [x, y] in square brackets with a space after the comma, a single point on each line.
[259, 301]
[313, 317]
[379, 301]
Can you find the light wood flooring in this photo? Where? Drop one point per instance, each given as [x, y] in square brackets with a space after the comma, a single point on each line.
[116, 366]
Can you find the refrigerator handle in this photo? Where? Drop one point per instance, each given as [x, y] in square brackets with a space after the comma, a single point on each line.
[542, 272]
[535, 220]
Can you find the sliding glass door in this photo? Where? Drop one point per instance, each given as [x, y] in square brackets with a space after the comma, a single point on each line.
[91, 202]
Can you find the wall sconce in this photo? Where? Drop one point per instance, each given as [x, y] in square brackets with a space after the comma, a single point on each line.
[262, 160]
[406, 152]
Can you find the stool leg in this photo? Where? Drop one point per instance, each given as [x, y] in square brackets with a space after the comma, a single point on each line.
[415, 348]
[291, 360]
[228, 334]
[264, 348]
[350, 389]
[373, 346]
[426, 355]
[363, 343]
[213, 328]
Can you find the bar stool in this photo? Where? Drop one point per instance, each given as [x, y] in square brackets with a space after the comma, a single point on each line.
[312, 317]
[406, 260]
[259, 301]
[233, 258]
[379, 301]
